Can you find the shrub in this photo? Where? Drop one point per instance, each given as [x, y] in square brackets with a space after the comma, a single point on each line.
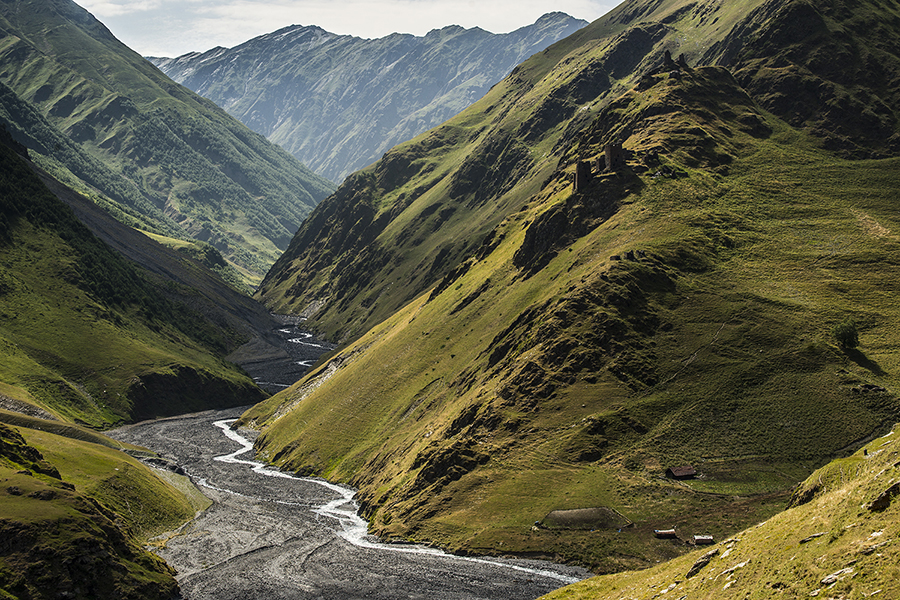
[846, 334]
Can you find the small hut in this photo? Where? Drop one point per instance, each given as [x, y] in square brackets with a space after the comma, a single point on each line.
[682, 472]
[665, 533]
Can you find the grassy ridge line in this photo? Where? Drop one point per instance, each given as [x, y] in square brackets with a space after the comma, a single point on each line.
[147, 504]
[62, 429]
[612, 370]
[831, 542]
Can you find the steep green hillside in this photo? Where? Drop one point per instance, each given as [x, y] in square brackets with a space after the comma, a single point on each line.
[72, 165]
[85, 335]
[394, 230]
[541, 348]
[838, 540]
[337, 102]
[180, 162]
[73, 515]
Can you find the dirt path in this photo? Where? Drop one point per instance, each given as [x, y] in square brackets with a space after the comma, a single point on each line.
[271, 537]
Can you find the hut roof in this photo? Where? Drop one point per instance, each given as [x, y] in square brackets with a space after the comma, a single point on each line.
[682, 471]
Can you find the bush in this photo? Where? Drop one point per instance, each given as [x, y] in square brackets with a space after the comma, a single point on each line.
[846, 334]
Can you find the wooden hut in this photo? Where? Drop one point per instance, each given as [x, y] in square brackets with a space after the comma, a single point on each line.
[683, 472]
[665, 533]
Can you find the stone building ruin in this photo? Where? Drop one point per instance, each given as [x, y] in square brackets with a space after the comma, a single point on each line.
[611, 161]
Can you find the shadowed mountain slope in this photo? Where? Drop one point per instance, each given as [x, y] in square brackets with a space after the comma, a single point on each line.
[337, 103]
[517, 344]
[180, 162]
[90, 337]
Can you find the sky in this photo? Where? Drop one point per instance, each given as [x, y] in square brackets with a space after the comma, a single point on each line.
[174, 27]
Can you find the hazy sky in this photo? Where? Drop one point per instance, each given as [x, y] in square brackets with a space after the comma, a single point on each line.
[174, 27]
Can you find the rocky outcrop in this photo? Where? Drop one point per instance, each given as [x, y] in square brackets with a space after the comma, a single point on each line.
[184, 389]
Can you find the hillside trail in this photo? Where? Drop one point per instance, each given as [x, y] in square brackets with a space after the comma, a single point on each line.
[271, 535]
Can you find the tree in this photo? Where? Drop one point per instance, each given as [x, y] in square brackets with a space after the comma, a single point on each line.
[846, 334]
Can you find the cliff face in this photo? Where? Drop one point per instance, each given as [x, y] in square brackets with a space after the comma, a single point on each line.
[516, 344]
[337, 103]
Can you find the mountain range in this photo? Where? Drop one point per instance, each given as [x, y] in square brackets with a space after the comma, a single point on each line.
[338, 102]
[630, 255]
[165, 159]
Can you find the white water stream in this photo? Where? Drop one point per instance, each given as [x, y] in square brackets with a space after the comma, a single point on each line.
[302, 340]
[344, 510]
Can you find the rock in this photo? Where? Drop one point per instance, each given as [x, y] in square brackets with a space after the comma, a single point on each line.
[702, 562]
[884, 499]
[43, 495]
[837, 575]
[731, 570]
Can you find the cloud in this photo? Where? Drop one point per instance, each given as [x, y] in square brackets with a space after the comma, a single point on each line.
[174, 27]
[109, 8]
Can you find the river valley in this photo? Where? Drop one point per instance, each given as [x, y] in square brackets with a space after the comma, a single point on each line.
[270, 535]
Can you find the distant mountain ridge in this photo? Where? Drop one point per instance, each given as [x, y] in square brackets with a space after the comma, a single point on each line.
[338, 102]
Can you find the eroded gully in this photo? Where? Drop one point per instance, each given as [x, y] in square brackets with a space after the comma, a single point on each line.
[271, 535]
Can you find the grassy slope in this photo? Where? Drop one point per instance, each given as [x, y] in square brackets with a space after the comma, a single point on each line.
[833, 533]
[69, 163]
[525, 386]
[74, 513]
[84, 334]
[196, 170]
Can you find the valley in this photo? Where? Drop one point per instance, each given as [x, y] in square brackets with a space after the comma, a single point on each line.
[634, 298]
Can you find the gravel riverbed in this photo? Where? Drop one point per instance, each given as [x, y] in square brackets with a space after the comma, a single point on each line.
[269, 535]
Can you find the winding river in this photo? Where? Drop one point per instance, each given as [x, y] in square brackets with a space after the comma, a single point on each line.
[271, 535]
